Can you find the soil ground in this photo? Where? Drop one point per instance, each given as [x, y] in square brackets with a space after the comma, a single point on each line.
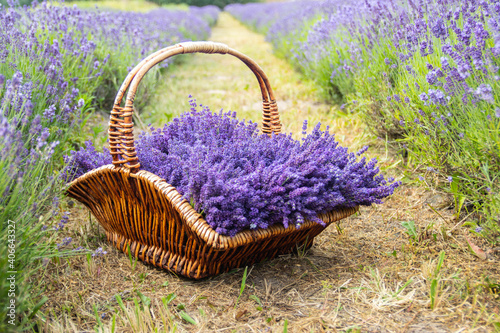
[367, 275]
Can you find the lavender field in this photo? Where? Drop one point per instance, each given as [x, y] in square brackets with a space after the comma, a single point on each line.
[388, 105]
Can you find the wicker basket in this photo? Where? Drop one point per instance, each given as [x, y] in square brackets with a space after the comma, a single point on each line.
[141, 212]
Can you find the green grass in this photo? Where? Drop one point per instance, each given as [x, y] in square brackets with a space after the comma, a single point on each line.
[22, 242]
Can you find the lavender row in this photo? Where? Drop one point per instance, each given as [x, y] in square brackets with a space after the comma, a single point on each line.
[56, 64]
[56, 61]
[424, 74]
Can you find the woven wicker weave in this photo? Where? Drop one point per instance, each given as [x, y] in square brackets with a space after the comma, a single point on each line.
[140, 211]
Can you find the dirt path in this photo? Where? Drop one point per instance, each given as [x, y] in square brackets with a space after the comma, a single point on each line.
[371, 277]
[222, 81]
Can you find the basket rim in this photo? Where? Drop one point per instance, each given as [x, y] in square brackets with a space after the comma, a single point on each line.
[200, 226]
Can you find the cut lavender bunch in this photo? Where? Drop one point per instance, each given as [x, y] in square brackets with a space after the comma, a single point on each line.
[240, 179]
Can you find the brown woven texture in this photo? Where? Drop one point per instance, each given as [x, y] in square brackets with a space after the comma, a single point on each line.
[141, 211]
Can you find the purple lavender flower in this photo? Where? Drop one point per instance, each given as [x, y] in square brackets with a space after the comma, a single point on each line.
[436, 96]
[439, 29]
[66, 241]
[62, 223]
[485, 92]
[99, 252]
[478, 230]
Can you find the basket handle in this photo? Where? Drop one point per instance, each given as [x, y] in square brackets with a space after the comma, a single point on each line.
[121, 127]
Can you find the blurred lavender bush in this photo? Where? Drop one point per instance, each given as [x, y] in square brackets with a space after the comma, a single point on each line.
[424, 73]
[57, 64]
[240, 179]
[200, 3]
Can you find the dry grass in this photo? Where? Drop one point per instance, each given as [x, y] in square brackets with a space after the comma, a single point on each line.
[370, 276]
[222, 81]
[366, 275]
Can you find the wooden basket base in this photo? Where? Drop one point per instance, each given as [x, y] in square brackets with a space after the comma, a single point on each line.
[184, 266]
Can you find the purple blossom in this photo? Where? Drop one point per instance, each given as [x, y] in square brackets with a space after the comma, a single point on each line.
[66, 241]
[436, 96]
[99, 252]
[439, 29]
[62, 223]
[485, 92]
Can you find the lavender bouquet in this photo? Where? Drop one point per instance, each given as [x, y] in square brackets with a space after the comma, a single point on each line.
[240, 179]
